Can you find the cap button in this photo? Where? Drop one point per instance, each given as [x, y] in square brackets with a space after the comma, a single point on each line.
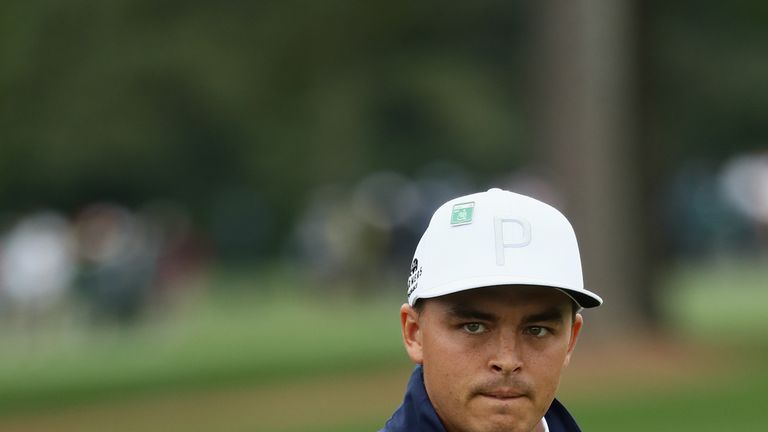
[495, 190]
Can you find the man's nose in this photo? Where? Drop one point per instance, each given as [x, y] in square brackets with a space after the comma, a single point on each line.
[506, 358]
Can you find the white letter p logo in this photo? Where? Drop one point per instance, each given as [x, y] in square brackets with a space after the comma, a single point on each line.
[518, 235]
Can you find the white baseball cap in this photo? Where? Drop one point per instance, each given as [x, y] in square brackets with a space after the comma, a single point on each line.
[497, 238]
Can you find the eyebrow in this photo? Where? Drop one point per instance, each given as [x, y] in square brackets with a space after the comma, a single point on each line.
[467, 312]
[554, 315]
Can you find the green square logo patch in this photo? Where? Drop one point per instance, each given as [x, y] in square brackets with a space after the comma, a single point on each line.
[462, 213]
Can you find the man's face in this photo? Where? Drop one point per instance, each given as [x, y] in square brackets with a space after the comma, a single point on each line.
[492, 357]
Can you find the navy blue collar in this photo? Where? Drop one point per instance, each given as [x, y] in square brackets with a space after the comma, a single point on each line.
[416, 413]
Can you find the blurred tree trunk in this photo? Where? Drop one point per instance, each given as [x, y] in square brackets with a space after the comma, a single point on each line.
[585, 117]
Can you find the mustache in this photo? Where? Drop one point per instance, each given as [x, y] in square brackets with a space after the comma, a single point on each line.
[504, 385]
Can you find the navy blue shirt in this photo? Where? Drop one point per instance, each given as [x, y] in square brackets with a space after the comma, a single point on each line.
[416, 413]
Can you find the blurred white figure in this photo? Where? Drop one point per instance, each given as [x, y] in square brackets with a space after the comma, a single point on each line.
[38, 261]
[744, 181]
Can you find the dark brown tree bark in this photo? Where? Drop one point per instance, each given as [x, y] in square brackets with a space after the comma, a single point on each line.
[584, 121]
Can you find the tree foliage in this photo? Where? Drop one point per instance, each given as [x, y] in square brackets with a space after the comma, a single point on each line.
[131, 99]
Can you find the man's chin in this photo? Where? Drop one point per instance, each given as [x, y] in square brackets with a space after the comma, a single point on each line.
[505, 424]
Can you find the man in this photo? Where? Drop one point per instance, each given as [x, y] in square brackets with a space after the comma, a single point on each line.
[492, 317]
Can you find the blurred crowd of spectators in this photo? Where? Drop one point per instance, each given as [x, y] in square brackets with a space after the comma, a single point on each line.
[719, 209]
[115, 262]
[361, 237]
[107, 259]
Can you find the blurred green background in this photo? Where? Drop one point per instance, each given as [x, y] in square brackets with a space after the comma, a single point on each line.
[208, 210]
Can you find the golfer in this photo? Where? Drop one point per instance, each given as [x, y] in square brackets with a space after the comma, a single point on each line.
[492, 318]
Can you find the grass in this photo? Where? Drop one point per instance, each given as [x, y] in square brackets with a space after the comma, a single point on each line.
[234, 338]
[710, 405]
[725, 299]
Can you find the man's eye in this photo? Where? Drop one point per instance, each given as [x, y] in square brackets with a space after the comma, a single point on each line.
[538, 331]
[473, 328]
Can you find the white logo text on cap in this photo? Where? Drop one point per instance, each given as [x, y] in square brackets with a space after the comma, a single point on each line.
[510, 233]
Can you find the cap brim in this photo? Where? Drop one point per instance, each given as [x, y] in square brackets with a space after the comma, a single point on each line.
[583, 298]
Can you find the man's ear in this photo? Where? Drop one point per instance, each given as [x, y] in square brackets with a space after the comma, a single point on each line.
[411, 328]
[578, 322]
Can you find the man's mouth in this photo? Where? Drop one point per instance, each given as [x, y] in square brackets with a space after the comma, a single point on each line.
[502, 393]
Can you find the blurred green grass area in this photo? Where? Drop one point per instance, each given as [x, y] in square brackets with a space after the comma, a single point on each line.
[735, 404]
[234, 335]
[259, 330]
[726, 299]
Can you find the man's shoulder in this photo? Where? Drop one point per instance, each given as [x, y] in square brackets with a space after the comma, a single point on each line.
[416, 412]
[559, 419]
